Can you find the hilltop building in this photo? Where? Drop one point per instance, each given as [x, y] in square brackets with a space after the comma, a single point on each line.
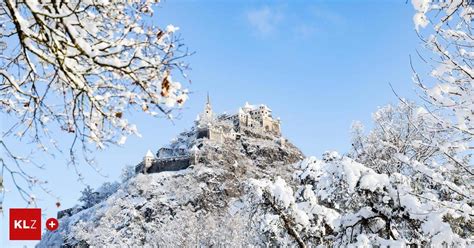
[256, 121]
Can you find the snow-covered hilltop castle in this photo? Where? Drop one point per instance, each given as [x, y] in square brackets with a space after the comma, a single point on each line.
[251, 118]
[251, 121]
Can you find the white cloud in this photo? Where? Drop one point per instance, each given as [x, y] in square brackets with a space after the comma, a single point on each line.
[305, 30]
[298, 23]
[323, 14]
[264, 20]
[316, 20]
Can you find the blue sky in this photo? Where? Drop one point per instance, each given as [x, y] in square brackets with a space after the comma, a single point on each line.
[319, 65]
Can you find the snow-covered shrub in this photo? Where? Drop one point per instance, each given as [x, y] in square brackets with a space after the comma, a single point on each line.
[107, 189]
[403, 129]
[342, 202]
[407, 143]
[281, 220]
[127, 173]
[89, 197]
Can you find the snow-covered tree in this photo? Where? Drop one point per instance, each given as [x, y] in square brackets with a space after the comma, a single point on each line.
[400, 129]
[81, 67]
[107, 189]
[127, 172]
[88, 197]
[404, 140]
[446, 30]
[410, 179]
[445, 27]
[340, 202]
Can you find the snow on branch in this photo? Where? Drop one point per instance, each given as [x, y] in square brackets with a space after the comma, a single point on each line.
[445, 28]
[82, 66]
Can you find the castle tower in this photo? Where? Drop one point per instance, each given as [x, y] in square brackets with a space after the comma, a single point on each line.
[208, 108]
[194, 158]
[148, 160]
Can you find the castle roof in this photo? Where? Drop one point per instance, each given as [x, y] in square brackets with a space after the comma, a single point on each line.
[265, 107]
[248, 106]
[149, 154]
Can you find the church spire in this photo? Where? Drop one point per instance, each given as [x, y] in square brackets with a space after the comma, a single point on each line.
[208, 109]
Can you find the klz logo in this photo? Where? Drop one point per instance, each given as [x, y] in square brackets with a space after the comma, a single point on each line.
[25, 223]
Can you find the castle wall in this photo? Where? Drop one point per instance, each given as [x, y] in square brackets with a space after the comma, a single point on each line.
[69, 212]
[216, 135]
[252, 123]
[171, 164]
[276, 128]
[174, 164]
[267, 124]
[231, 135]
[203, 133]
[65, 212]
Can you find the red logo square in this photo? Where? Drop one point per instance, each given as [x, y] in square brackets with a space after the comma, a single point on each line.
[25, 223]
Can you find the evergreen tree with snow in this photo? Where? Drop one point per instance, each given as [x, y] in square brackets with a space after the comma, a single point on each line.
[88, 197]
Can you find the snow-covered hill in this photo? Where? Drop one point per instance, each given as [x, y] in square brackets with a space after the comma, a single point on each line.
[201, 205]
[259, 190]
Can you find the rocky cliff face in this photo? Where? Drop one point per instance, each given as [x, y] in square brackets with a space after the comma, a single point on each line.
[203, 205]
